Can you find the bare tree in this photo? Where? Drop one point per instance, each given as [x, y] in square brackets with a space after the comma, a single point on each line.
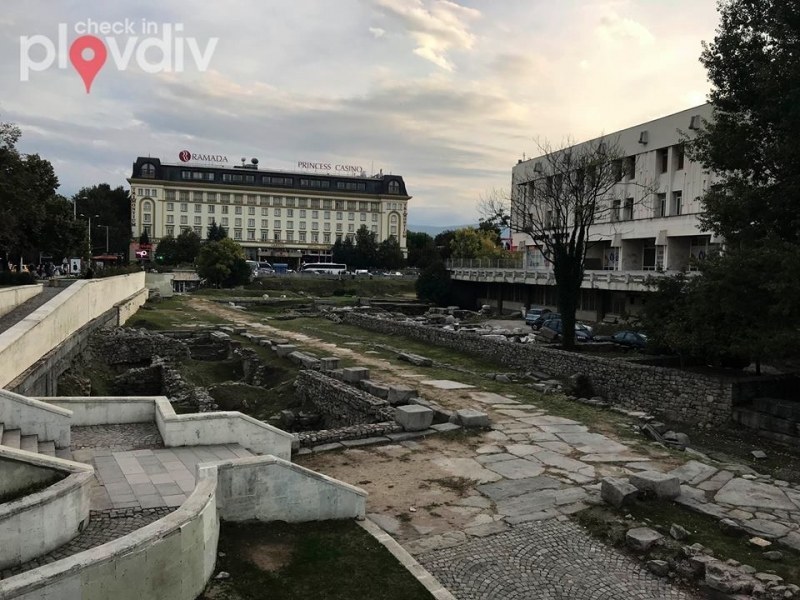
[556, 198]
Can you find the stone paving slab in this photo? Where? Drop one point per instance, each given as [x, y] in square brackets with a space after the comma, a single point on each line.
[741, 492]
[446, 384]
[549, 560]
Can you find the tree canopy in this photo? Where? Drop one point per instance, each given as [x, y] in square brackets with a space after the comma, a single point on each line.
[108, 207]
[221, 263]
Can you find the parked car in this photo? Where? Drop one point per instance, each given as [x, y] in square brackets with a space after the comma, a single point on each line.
[627, 339]
[534, 313]
[582, 334]
[539, 321]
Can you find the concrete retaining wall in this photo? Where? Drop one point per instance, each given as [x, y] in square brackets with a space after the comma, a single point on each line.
[16, 475]
[34, 417]
[51, 324]
[41, 522]
[267, 488]
[678, 395]
[105, 410]
[12, 297]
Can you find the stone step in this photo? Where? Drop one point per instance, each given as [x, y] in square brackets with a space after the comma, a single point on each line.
[11, 438]
[29, 443]
[47, 448]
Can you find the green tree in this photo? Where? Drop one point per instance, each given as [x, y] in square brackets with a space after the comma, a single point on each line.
[343, 251]
[442, 242]
[217, 261]
[469, 242]
[113, 207]
[365, 253]
[433, 284]
[188, 246]
[167, 251]
[390, 255]
[216, 232]
[144, 239]
[61, 235]
[421, 249]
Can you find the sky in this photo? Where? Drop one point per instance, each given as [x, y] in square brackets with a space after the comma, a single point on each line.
[449, 94]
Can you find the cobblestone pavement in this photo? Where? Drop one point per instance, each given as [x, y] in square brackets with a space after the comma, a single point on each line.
[128, 436]
[550, 560]
[104, 526]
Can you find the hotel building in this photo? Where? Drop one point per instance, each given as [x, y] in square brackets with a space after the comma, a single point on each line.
[650, 226]
[277, 216]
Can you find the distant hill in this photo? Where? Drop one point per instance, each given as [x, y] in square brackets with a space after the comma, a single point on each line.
[433, 230]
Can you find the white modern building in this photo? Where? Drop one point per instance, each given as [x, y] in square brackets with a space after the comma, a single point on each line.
[277, 216]
[649, 227]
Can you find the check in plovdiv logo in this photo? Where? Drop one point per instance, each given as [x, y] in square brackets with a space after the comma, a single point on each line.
[153, 47]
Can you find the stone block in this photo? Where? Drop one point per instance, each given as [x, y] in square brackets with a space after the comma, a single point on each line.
[415, 359]
[355, 374]
[617, 492]
[445, 427]
[398, 394]
[284, 349]
[413, 417]
[468, 417]
[641, 539]
[328, 363]
[659, 484]
[376, 389]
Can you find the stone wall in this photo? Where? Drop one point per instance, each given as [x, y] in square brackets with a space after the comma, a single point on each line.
[135, 346]
[677, 395]
[309, 439]
[342, 405]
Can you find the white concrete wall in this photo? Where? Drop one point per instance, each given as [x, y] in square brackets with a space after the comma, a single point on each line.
[39, 523]
[128, 308]
[34, 417]
[45, 328]
[16, 475]
[12, 297]
[221, 428]
[267, 488]
[105, 410]
[171, 559]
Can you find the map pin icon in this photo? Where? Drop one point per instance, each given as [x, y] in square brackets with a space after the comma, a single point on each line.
[87, 68]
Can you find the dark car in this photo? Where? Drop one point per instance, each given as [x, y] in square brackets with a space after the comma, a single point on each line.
[628, 339]
[582, 333]
[534, 313]
[539, 321]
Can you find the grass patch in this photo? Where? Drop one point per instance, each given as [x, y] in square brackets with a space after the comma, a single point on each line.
[335, 560]
[170, 313]
[204, 373]
[604, 522]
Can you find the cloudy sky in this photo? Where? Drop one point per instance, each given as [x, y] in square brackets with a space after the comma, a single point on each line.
[447, 93]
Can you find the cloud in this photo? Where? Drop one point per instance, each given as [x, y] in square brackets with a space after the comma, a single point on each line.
[377, 32]
[614, 28]
[437, 27]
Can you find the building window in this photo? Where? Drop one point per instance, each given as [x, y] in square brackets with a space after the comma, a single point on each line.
[148, 170]
[184, 220]
[237, 234]
[251, 235]
[302, 236]
[662, 160]
[277, 212]
[661, 206]
[197, 221]
[680, 157]
[289, 212]
[264, 235]
[264, 212]
[277, 224]
[615, 210]
[237, 222]
[374, 229]
[374, 217]
[289, 224]
[184, 207]
[327, 226]
[314, 237]
[338, 228]
[326, 214]
[169, 195]
[224, 210]
[302, 225]
[170, 206]
[211, 209]
[170, 218]
[237, 210]
[394, 187]
[627, 213]
[630, 167]
[326, 238]
[198, 208]
[251, 210]
[251, 222]
[290, 236]
[351, 227]
[363, 217]
[302, 214]
[224, 221]
[170, 230]
[677, 204]
[183, 195]
[314, 225]
[277, 236]
[264, 223]
[148, 217]
[198, 231]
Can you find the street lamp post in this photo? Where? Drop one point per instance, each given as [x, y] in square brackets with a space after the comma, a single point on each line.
[106, 228]
[89, 217]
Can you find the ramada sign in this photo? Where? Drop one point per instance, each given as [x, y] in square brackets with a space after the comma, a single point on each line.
[187, 156]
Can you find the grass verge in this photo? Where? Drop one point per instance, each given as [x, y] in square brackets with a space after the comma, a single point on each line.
[335, 560]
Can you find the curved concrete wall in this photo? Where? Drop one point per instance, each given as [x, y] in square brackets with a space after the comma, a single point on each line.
[49, 422]
[12, 297]
[49, 325]
[41, 522]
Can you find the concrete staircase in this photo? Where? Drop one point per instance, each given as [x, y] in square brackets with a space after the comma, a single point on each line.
[773, 418]
[14, 438]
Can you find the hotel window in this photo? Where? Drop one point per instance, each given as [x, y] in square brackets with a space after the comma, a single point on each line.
[276, 225]
[339, 204]
[140, 192]
[326, 238]
[198, 208]
[170, 206]
[148, 218]
[314, 237]
[171, 230]
[289, 224]
[289, 236]
[251, 222]
[351, 216]
[184, 207]
[184, 196]
[225, 198]
[251, 235]
[237, 234]
[315, 225]
[169, 195]
[148, 170]
[661, 206]
[374, 218]
[277, 236]
[198, 221]
[237, 222]
[302, 214]
[363, 217]
[184, 220]
[662, 160]
[326, 214]
[677, 204]
[263, 212]
[224, 210]
[374, 229]
[264, 223]
[338, 227]
[326, 204]
[302, 225]
[289, 212]
[170, 218]
[211, 209]
[680, 157]
[237, 210]
[303, 203]
[302, 236]
[394, 187]
[198, 231]
[326, 226]
[197, 196]
[277, 212]
[251, 210]
[339, 216]
[351, 227]
[264, 235]
[314, 214]
[224, 221]
[627, 213]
